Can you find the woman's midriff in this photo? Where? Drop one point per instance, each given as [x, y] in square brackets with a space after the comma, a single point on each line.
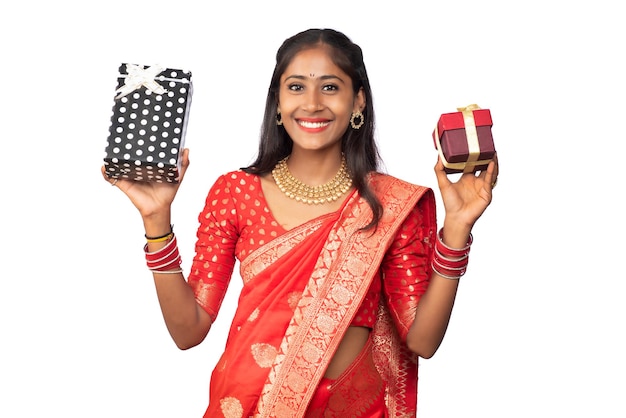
[350, 347]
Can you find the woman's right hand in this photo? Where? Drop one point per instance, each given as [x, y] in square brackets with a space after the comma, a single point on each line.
[150, 198]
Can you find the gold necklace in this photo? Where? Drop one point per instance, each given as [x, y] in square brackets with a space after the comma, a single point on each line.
[324, 193]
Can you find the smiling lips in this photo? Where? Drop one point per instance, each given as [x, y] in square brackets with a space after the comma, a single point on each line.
[313, 125]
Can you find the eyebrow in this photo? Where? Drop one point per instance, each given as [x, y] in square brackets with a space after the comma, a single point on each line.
[323, 77]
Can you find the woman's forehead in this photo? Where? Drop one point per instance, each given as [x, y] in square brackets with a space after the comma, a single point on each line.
[314, 62]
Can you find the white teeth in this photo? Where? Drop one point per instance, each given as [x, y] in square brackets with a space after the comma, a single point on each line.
[312, 124]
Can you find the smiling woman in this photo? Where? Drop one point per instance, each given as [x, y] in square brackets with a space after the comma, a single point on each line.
[315, 110]
[343, 261]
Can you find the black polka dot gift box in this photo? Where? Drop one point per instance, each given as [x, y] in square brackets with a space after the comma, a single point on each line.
[149, 122]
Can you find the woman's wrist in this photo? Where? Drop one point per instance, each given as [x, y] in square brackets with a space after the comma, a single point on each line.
[455, 234]
[157, 225]
[450, 262]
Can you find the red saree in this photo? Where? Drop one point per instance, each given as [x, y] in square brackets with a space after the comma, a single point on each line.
[301, 291]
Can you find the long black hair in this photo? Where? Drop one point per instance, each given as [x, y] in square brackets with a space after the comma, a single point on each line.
[358, 145]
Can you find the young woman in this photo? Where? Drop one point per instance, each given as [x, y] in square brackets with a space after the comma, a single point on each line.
[346, 278]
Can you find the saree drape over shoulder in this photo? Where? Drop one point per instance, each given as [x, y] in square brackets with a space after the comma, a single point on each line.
[302, 289]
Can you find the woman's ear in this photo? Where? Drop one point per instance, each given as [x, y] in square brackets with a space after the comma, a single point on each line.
[359, 100]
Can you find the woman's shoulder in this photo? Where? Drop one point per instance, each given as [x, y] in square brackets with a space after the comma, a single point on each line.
[380, 181]
[395, 192]
[236, 183]
[237, 176]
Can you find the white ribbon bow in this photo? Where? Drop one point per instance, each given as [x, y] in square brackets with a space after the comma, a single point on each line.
[139, 76]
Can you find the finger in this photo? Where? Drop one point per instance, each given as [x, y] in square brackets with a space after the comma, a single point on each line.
[442, 177]
[186, 157]
[491, 176]
[108, 179]
[496, 165]
[496, 170]
[184, 164]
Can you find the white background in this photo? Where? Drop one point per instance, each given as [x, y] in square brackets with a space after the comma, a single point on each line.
[538, 328]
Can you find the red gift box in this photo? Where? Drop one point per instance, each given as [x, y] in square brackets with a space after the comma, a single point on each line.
[464, 140]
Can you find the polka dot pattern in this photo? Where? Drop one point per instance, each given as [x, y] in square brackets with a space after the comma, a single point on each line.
[147, 131]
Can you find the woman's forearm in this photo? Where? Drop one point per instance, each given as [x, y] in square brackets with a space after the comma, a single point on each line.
[186, 321]
[435, 307]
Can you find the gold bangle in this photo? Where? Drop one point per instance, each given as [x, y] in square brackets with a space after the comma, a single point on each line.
[162, 238]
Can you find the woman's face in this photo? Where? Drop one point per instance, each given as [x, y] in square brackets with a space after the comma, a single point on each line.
[316, 100]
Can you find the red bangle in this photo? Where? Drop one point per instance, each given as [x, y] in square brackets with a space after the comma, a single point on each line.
[164, 259]
[167, 257]
[172, 260]
[174, 264]
[160, 253]
[450, 263]
[452, 252]
[447, 274]
[451, 271]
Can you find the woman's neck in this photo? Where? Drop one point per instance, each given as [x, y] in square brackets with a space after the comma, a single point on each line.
[314, 168]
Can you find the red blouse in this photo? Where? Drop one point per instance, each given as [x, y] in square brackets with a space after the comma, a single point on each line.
[236, 220]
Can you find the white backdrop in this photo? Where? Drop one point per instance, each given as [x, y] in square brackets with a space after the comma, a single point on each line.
[538, 326]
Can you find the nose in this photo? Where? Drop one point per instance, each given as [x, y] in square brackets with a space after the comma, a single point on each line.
[312, 101]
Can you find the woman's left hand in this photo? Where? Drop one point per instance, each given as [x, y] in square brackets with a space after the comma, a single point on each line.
[466, 199]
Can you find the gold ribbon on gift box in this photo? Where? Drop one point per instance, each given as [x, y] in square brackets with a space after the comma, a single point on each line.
[472, 142]
[137, 76]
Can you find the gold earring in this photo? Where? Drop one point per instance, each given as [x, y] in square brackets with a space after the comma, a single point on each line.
[279, 117]
[361, 119]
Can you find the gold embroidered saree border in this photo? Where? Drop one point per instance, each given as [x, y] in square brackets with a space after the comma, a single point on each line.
[269, 253]
[342, 276]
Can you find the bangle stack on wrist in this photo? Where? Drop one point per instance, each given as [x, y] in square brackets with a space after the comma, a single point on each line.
[166, 259]
[450, 263]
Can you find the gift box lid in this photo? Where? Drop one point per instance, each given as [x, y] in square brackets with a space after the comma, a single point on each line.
[454, 120]
[154, 78]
